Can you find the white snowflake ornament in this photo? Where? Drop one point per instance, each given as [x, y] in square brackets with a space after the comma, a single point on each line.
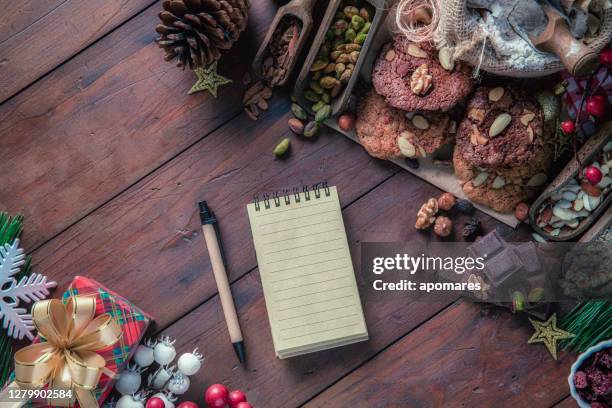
[178, 384]
[16, 320]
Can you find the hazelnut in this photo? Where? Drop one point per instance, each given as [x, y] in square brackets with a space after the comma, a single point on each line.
[446, 201]
[521, 212]
[443, 226]
[346, 122]
[420, 81]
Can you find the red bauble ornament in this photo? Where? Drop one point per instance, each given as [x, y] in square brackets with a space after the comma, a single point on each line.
[593, 175]
[568, 127]
[155, 403]
[216, 396]
[236, 397]
[244, 405]
[596, 105]
[187, 404]
[605, 57]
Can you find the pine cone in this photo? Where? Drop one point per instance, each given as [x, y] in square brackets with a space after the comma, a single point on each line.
[196, 32]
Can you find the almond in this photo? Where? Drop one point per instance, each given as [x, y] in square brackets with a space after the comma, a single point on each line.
[500, 123]
[406, 148]
[446, 58]
[530, 133]
[496, 94]
[480, 179]
[527, 117]
[498, 182]
[420, 122]
[537, 180]
[415, 51]
[390, 55]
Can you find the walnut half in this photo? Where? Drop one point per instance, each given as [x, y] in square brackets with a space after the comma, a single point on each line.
[421, 80]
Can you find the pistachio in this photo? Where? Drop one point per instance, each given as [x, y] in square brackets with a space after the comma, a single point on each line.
[498, 182]
[366, 28]
[343, 58]
[314, 85]
[296, 126]
[346, 76]
[415, 51]
[350, 48]
[527, 118]
[335, 55]
[323, 113]
[350, 35]
[357, 22]
[390, 55]
[496, 94]
[420, 122]
[311, 96]
[298, 112]
[340, 67]
[445, 57]
[363, 12]
[537, 180]
[281, 148]
[354, 56]
[361, 37]
[518, 301]
[317, 106]
[328, 82]
[329, 68]
[500, 123]
[480, 179]
[325, 97]
[340, 26]
[311, 129]
[317, 75]
[318, 65]
[336, 90]
[406, 148]
[350, 11]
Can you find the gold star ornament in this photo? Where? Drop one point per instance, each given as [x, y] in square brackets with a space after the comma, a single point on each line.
[208, 80]
[548, 333]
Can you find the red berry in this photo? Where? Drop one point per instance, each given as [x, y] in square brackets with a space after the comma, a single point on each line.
[593, 175]
[187, 404]
[216, 396]
[236, 397]
[244, 405]
[596, 105]
[605, 57]
[568, 127]
[155, 402]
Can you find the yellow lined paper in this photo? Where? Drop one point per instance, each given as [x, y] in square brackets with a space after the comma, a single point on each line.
[306, 272]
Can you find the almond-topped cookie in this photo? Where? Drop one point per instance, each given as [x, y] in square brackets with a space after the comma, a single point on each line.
[411, 77]
[386, 132]
[502, 188]
[503, 128]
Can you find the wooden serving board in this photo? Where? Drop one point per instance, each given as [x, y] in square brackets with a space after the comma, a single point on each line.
[439, 175]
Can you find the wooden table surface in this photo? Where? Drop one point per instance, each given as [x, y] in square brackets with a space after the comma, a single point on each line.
[106, 155]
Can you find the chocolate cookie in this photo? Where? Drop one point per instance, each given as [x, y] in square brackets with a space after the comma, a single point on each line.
[503, 128]
[502, 189]
[379, 126]
[411, 77]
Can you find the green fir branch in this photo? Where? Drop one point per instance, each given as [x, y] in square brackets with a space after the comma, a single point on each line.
[10, 228]
[590, 322]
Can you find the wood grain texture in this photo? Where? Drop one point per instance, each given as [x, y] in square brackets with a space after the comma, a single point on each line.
[465, 357]
[42, 35]
[567, 402]
[104, 120]
[384, 214]
[151, 233]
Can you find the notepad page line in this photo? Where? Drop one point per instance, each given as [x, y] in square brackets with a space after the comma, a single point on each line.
[315, 303]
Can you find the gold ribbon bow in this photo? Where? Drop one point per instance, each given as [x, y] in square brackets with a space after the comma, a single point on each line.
[69, 358]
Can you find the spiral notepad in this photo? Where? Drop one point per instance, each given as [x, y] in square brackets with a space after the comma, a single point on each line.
[306, 271]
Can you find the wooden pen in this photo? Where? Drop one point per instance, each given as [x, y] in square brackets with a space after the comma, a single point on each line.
[210, 227]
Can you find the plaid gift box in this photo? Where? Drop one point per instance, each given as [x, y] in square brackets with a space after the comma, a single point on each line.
[131, 319]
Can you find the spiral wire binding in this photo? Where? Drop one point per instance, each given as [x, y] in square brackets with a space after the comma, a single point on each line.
[276, 197]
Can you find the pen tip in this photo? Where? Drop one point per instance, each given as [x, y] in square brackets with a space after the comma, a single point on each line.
[240, 351]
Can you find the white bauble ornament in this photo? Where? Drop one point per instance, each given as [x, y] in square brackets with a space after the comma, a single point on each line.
[164, 352]
[190, 363]
[131, 401]
[167, 398]
[144, 353]
[129, 380]
[159, 378]
[178, 384]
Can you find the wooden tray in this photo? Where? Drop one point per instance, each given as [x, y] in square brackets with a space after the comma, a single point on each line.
[591, 148]
[340, 103]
